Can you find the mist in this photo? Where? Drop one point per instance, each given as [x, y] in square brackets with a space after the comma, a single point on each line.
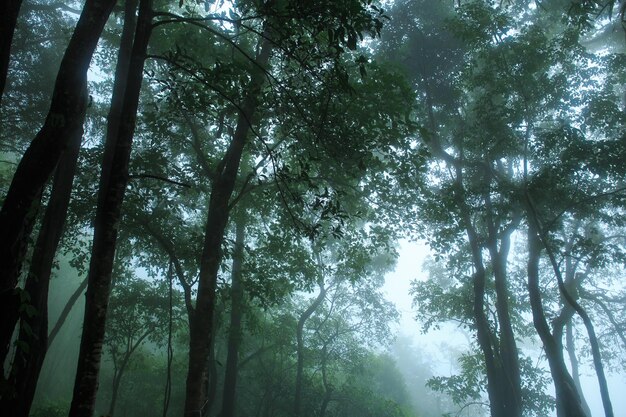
[276, 208]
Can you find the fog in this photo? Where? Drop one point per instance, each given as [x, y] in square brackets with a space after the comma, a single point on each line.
[278, 208]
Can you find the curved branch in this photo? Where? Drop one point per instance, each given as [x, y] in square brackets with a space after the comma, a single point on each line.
[168, 247]
[591, 297]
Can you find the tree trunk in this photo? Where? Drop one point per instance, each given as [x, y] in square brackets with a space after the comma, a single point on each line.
[114, 117]
[66, 311]
[567, 400]
[27, 363]
[297, 402]
[9, 12]
[64, 119]
[106, 227]
[570, 299]
[483, 332]
[511, 378]
[117, 378]
[573, 359]
[563, 322]
[485, 336]
[119, 372]
[236, 314]
[328, 388]
[200, 335]
[211, 376]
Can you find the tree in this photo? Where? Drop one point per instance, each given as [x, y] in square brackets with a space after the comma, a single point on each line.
[65, 117]
[516, 82]
[223, 179]
[34, 327]
[32, 337]
[469, 186]
[111, 195]
[139, 313]
[237, 294]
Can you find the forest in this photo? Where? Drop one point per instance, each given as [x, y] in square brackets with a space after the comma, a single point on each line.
[202, 201]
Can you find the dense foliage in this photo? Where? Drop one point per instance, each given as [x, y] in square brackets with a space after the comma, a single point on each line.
[229, 182]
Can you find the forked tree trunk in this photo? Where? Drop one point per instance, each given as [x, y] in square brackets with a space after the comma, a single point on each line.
[484, 336]
[27, 363]
[64, 119]
[69, 304]
[493, 363]
[119, 371]
[511, 377]
[106, 226]
[573, 360]
[236, 314]
[200, 324]
[570, 300]
[568, 402]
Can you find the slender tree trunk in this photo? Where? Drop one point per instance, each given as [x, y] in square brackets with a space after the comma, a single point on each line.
[117, 378]
[568, 402]
[573, 360]
[27, 363]
[115, 386]
[66, 311]
[200, 335]
[236, 314]
[9, 11]
[617, 327]
[106, 227]
[328, 388]
[563, 322]
[119, 372]
[64, 119]
[297, 403]
[570, 299]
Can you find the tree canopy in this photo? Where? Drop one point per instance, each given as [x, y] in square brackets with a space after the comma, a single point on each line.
[231, 182]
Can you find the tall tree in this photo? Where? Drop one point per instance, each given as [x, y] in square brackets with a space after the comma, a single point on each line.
[32, 339]
[201, 322]
[471, 173]
[568, 401]
[480, 125]
[106, 227]
[64, 119]
[33, 330]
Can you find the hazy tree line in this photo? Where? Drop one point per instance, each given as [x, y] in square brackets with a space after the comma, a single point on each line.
[228, 182]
